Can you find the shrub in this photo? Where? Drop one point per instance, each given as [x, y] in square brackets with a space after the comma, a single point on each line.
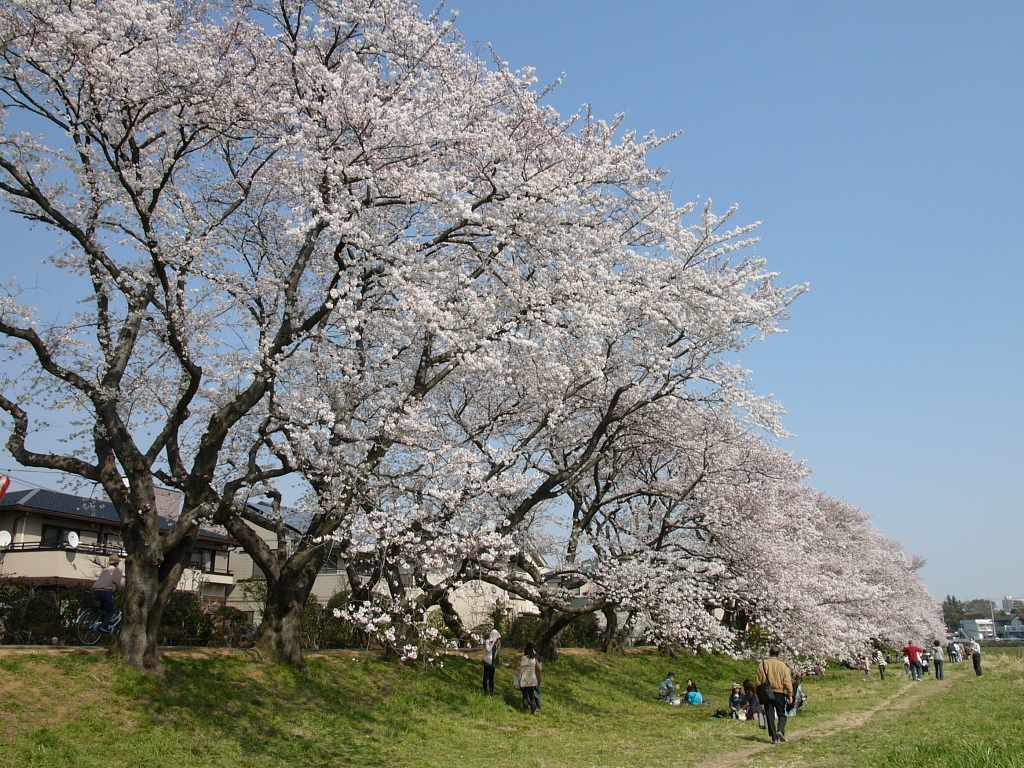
[583, 632]
[230, 627]
[36, 614]
[184, 620]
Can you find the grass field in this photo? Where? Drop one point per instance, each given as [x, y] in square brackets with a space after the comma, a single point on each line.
[79, 709]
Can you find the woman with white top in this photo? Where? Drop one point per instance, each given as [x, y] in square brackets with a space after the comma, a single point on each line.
[529, 677]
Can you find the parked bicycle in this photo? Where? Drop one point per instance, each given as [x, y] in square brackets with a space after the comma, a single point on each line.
[88, 623]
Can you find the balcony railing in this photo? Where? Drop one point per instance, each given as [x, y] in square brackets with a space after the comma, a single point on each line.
[89, 549]
[210, 569]
[104, 550]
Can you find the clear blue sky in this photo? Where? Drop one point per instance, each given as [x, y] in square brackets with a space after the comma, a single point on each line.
[882, 145]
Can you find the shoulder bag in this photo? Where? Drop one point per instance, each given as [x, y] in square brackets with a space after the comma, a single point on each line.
[764, 690]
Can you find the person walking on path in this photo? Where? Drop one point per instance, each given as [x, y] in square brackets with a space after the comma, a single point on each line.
[880, 662]
[110, 579]
[774, 672]
[529, 678]
[491, 647]
[975, 649]
[939, 660]
[914, 659]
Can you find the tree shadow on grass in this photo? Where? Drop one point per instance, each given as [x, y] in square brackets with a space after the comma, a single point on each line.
[273, 711]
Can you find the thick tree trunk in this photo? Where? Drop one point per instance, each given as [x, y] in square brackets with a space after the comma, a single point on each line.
[280, 638]
[615, 633]
[135, 643]
[552, 625]
[151, 576]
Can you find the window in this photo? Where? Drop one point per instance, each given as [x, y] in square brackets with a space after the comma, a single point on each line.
[54, 536]
[209, 560]
[202, 560]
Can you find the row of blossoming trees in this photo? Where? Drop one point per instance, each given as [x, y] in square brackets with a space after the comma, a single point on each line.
[319, 246]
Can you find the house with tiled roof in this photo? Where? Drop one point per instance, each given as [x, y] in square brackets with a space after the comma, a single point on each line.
[60, 539]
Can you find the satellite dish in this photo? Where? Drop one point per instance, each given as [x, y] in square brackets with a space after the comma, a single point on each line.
[5, 539]
[71, 540]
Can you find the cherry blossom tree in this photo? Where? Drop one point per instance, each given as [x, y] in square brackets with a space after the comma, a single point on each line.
[815, 575]
[321, 241]
[477, 234]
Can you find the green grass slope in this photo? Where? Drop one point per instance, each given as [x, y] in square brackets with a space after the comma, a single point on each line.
[73, 710]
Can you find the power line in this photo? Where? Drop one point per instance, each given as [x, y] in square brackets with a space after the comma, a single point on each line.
[27, 484]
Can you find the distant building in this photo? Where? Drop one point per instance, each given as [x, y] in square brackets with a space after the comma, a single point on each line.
[1010, 627]
[978, 629]
[1013, 604]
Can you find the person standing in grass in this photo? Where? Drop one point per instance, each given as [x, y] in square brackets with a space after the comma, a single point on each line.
[491, 647]
[774, 672]
[975, 650]
[955, 653]
[880, 662]
[939, 660]
[529, 677]
[913, 654]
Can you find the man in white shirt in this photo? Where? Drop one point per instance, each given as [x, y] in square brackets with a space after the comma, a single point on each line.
[975, 649]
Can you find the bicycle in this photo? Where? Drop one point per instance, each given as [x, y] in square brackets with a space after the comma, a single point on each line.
[87, 625]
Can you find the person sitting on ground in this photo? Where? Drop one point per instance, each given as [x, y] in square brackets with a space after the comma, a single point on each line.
[753, 704]
[693, 694]
[737, 702]
[110, 579]
[669, 691]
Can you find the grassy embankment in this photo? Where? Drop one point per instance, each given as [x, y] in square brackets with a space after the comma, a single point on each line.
[75, 710]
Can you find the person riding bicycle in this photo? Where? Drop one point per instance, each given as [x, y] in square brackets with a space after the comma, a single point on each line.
[103, 590]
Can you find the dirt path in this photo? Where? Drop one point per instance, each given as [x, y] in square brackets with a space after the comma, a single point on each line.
[908, 695]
